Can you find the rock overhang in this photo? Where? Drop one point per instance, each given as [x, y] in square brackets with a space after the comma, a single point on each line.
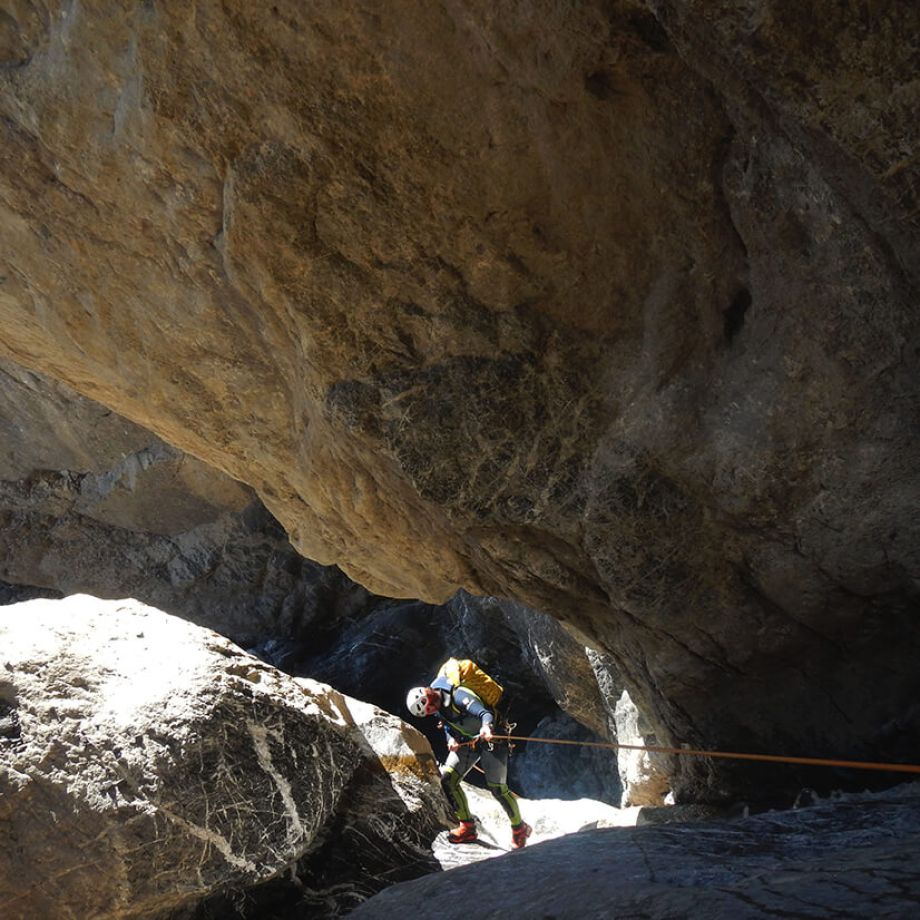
[610, 324]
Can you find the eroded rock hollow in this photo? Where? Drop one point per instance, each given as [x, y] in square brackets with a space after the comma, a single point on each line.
[606, 307]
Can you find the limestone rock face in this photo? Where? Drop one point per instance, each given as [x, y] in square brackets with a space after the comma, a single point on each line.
[549, 686]
[567, 668]
[645, 777]
[146, 764]
[608, 307]
[851, 857]
[72, 465]
[46, 425]
[91, 503]
[567, 771]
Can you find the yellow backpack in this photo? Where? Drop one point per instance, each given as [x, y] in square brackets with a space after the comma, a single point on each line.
[461, 672]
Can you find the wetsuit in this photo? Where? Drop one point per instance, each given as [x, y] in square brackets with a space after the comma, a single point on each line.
[464, 714]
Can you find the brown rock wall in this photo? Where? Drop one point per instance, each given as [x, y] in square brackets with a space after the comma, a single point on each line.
[91, 503]
[606, 312]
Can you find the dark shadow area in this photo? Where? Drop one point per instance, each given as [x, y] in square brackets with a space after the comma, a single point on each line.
[14, 594]
[733, 318]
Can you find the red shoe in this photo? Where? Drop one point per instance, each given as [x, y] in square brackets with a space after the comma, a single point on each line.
[520, 834]
[465, 833]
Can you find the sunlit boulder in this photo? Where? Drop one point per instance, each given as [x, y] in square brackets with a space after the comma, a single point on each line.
[147, 764]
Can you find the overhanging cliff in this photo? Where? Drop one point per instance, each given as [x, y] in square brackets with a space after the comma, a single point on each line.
[606, 307]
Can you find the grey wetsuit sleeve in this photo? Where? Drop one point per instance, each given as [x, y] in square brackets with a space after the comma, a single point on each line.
[473, 705]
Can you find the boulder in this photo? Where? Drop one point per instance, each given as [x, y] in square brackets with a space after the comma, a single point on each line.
[147, 764]
[607, 307]
[850, 857]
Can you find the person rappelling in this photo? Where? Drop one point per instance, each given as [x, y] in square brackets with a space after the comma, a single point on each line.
[464, 698]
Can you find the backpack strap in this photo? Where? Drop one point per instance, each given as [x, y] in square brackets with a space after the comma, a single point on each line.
[442, 683]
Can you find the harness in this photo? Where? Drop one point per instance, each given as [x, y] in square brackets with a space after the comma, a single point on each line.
[445, 686]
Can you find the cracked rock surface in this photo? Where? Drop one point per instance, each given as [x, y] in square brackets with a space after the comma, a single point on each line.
[606, 307]
[852, 857]
[147, 764]
[90, 503]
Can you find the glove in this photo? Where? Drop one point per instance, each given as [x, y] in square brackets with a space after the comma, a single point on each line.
[485, 733]
[453, 745]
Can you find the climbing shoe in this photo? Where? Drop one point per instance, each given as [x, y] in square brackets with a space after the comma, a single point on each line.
[465, 833]
[520, 834]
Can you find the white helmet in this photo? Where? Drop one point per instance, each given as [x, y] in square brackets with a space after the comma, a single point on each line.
[423, 701]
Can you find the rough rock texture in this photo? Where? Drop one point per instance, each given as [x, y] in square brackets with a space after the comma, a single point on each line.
[95, 504]
[849, 858]
[47, 426]
[146, 764]
[13, 594]
[568, 771]
[645, 777]
[91, 503]
[382, 651]
[584, 685]
[608, 307]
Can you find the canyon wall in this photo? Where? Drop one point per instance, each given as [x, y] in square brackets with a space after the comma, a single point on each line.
[93, 504]
[606, 307]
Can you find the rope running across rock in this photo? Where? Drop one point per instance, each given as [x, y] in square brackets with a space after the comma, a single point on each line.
[725, 755]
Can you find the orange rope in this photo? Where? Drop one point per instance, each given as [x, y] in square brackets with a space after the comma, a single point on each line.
[727, 755]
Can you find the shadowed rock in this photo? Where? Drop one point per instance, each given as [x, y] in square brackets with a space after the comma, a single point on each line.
[848, 858]
[96, 504]
[91, 503]
[391, 646]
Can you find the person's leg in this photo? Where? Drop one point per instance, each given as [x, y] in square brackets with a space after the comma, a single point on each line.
[455, 768]
[495, 766]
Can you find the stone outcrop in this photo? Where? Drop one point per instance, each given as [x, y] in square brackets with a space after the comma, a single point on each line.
[94, 504]
[852, 857]
[574, 769]
[584, 685]
[91, 503]
[147, 764]
[608, 307]
[645, 777]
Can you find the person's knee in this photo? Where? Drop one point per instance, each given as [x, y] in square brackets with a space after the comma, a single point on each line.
[450, 779]
[499, 790]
